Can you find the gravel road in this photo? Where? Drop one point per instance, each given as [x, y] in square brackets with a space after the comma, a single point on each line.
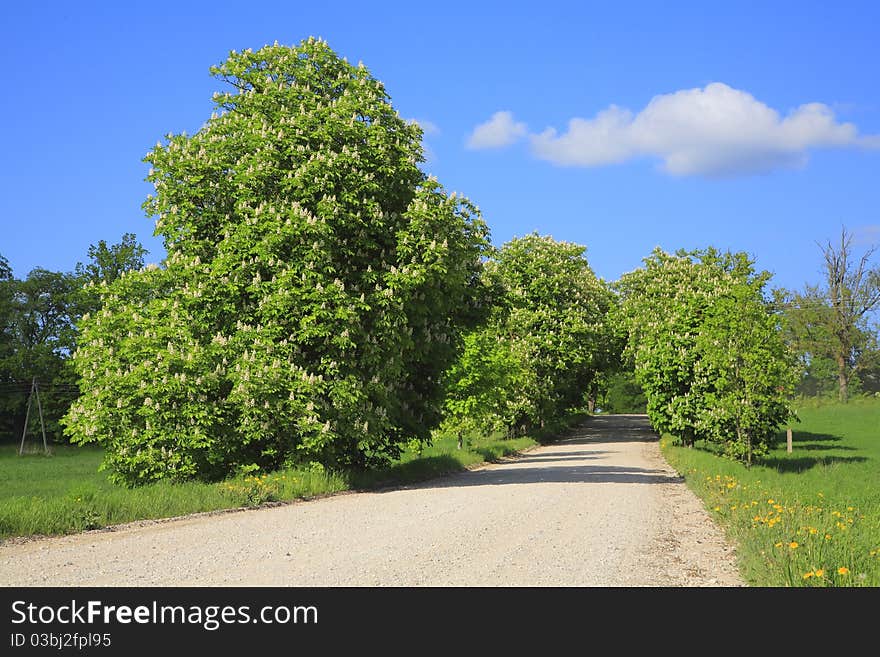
[598, 508]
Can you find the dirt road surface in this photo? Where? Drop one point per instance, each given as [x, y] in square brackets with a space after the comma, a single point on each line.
[600, 507]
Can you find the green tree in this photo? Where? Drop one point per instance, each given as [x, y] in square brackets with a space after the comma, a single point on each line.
[7, 292]
[8, 383]
[105, 265]
[831, 321]
[40, 315]
[487, 387]
[707, 349]
[545, 342]
[621, 393]
[557, 305]
[316, 286]
[745, 370]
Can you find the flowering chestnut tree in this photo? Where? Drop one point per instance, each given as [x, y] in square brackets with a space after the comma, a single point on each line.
[546, 339]
[316, 286]
[707, 350]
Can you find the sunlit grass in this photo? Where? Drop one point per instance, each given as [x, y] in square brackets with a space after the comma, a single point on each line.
[809, 518]
[65, 492]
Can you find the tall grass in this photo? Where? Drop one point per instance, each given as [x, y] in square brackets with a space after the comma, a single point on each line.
[808, 518]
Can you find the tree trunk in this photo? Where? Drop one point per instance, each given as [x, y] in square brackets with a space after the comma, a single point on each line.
[842, 379]
[749, 456]
[459, 439]
[688, 437]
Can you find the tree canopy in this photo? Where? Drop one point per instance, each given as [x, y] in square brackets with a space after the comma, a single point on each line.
[545, 342]
[316, 285]
[708, 349]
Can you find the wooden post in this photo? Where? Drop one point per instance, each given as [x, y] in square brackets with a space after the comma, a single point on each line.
[788, 440]
[40, 409]
[35, 390]
[27, 417]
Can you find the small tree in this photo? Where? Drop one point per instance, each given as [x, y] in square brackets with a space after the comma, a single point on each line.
[747, 373]
[487, 387]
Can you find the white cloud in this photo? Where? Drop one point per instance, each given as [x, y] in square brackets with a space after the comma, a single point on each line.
[714, 131]
[500, 130]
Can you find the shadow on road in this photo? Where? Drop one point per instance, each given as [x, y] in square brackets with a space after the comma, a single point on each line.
[566, 474]
[589, 442]
[613, 429]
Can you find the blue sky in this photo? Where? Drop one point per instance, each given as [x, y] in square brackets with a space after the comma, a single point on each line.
[750, 126]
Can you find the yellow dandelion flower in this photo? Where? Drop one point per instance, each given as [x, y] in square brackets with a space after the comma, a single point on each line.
[827, 537]
[808, 575]
[771, 502]
[718, 508]
[820, 572]
[849, 508]
[779, 544]
[793, 545]
[813, 530]
[843, 570]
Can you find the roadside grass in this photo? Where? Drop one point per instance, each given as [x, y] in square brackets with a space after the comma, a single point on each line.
[809, 518]
[65, 492]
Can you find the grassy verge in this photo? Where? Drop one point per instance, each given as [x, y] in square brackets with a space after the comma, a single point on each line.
[65, 493]
[809, 518]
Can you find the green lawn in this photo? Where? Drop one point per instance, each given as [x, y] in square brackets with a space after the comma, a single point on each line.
[809, 518]
[65, 492]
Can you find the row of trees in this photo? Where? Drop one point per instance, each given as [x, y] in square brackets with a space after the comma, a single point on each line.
[324, 301]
